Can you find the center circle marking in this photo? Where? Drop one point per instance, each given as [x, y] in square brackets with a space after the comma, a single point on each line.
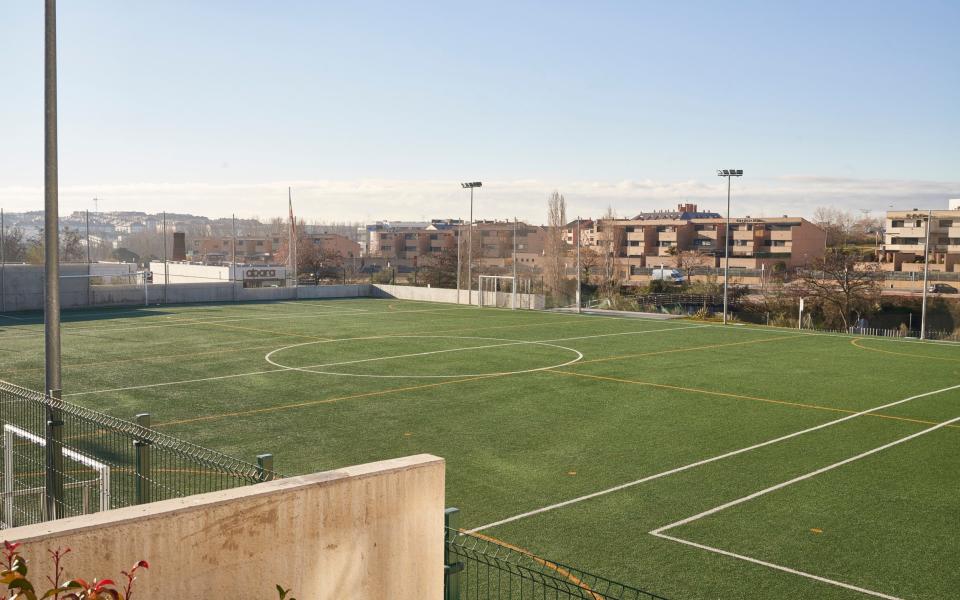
[506, 343]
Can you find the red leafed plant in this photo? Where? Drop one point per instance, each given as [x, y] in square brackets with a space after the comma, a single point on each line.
[19, 586]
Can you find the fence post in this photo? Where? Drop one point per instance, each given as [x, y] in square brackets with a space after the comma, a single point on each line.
[142, 448]
[451, 566]
[265, 466]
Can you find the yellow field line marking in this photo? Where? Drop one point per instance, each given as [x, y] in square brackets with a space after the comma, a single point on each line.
[920, 356]
[710, 347]
[740, 396]
[542, 561]
[268, 409]
[375, 393]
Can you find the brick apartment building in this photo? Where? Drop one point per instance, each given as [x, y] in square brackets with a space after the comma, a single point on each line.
[656, 239]
[411, 245]
[261, 249]
[906, 235]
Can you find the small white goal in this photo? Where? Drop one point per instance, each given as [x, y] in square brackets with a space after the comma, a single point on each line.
[87, 480]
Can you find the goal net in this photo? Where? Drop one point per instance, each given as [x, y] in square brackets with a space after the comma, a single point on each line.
[86, 481]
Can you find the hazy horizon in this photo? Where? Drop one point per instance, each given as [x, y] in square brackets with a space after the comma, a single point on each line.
[377, 111]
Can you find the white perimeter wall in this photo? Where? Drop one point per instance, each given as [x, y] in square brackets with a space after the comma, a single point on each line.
[424, 294]
[372, 531]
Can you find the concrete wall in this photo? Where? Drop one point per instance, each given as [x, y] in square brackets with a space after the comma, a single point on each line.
[424, 294]
[371, 531]
[21, 287]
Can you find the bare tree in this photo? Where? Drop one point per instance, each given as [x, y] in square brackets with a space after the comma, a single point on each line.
[688, 260]
[843, 287]
[611, 240]
[14, 246]
[839, 225]
[554, 246]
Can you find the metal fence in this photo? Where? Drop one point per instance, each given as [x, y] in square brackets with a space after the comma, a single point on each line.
[477, 567]
[100, 462]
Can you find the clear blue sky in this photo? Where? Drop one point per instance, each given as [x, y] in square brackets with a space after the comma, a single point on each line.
[161, 100]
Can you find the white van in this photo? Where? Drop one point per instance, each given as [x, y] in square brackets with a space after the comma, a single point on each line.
[666, 274]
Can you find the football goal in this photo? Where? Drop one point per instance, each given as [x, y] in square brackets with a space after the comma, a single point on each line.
[86, 481]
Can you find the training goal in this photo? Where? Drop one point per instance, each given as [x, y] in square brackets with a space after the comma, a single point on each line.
[505, 291]
[86, 481]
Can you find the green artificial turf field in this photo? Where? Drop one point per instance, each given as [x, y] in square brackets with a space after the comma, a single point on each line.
[690, 459]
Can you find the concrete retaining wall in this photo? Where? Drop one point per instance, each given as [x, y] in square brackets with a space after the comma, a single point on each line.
[371, 531]
[22, 289]
[424, 294]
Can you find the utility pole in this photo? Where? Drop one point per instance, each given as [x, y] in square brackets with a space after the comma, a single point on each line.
[459, 243]
[166, 269]
[926, 268]
[53, 481]
[3, 261]
[233, 256]
[729, 174]
[578, 264]
[513, 288]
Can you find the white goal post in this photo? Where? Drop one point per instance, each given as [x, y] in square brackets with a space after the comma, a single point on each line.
[101, 482]
[491, 291]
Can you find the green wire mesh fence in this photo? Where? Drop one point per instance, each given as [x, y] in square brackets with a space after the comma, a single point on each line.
[478, 567]
[63, 457]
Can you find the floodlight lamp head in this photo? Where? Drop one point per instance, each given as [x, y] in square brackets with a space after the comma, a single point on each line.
[471, 184]
[730, 172]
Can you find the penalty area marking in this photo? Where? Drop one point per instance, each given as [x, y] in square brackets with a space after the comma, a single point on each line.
[505, 343]
[659, 532]
[705, 461]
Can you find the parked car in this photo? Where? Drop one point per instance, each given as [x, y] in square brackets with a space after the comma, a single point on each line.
[666, 274]
[941, 288]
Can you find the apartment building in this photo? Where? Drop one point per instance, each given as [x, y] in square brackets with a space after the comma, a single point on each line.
[410, 246]
[261, 249]
[905, 238]
[659, 239]
[588, 232]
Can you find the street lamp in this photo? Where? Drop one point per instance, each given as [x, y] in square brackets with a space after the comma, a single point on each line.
[729, 174]
[470, 185]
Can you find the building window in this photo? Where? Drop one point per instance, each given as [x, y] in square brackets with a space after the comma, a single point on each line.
[946, 223]
[779, 243]
[896, 223]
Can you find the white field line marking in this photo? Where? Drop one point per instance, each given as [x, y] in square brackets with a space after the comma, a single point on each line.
[178, 322]
[779, 567]
[507, 342]
[659, 531]
[165, 383]
[285, 368]
[311, 368]
[771, 329]
[705, 461]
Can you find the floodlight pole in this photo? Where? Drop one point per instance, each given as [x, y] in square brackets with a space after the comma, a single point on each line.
[53, 484]
[926, 268]
[728, 173]
[470, 185]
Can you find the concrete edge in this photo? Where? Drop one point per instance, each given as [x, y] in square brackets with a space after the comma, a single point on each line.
[130, 514]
